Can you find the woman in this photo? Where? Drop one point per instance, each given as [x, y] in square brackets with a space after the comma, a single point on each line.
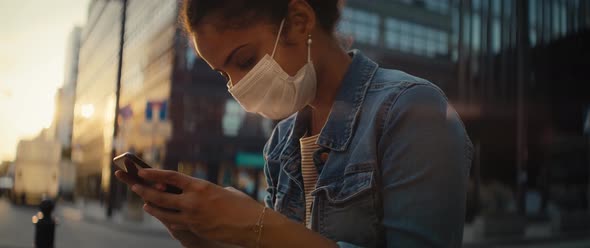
[366, 157]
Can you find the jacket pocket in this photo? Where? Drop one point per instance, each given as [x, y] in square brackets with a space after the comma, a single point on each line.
[346, 209]
[356, 181]
[279, 199]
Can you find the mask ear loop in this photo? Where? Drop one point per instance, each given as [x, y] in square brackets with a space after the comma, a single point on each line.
[278, 37]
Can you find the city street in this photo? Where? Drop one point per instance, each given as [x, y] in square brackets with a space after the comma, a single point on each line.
[17, 231]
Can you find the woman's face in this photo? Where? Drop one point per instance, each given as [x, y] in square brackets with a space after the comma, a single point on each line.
[234, 52]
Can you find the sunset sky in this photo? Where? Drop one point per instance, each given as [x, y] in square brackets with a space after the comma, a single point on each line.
[33, 37]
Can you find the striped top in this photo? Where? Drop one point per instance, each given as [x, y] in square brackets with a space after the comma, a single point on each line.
[309, 172]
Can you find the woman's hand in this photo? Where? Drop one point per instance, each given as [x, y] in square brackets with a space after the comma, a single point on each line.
[221, 214]
[190, 240]
[181, 233]
[187, 238]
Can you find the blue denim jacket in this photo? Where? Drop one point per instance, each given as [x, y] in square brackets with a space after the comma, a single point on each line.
[398, 159]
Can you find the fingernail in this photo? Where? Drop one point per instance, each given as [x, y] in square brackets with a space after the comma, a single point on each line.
[135, 188]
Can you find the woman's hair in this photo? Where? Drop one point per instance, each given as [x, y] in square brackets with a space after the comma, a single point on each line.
[241, 13]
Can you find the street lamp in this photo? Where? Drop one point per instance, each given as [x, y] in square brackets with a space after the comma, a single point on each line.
[112, 185]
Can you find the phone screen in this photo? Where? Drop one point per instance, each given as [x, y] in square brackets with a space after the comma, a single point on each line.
[131, 164]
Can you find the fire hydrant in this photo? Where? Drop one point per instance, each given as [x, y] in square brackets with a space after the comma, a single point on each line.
[44, 225]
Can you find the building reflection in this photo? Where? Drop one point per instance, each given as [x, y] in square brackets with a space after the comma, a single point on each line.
[95, 97]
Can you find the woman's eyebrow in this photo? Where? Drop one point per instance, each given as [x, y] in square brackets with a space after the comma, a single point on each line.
[231, 55]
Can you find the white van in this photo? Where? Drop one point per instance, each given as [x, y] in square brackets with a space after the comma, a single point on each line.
[36, 171]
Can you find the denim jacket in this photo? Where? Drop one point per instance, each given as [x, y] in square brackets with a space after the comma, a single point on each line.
[393, 163]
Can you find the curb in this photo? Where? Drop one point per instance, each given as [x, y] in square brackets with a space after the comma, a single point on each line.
[14, 246]
[77, 214]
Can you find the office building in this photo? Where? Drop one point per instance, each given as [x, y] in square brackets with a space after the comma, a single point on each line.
[94, 108]
[174, 111]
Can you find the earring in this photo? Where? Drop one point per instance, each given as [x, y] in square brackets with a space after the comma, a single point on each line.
[309, 41]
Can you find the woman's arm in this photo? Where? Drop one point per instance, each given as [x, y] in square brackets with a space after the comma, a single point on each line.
[182, 234]
[222, 214]
[279, 231]
[425, 158]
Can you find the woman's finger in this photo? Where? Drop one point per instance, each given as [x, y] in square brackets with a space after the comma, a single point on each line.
[167, 177]
[158, 198]
[160, 186]
[125, 178]
[177, 234]
[130, 181]
[168, 217]
[171, 227]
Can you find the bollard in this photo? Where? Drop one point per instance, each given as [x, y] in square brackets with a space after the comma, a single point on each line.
[44, 225]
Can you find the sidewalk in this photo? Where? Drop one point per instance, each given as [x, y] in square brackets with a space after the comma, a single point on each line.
[93, 212]
[536, 235]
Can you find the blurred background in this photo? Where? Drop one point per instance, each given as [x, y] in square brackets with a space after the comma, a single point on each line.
[83, 80]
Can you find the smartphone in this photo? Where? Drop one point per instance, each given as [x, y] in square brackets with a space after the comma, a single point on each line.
[131, 164]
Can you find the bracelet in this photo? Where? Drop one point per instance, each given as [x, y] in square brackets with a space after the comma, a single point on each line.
[259, 227]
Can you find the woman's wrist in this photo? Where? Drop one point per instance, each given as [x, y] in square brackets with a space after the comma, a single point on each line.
[252, 233]
[274, 224]
[259, 228]
[279, 231]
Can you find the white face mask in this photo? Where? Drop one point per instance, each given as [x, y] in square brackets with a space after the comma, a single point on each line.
[269, 91]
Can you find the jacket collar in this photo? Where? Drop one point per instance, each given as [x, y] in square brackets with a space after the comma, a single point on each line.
[340, 126]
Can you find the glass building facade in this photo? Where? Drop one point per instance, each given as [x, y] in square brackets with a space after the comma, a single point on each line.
[94, 109]
[519, 79]
[514, 72]
[174, 111]
[413, 36]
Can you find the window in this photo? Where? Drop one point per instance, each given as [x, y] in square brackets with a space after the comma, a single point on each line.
[232, 118]
[363, 25]
[533, 21]
[563, 19]
[438, 6]
[496, 5]
[476, 32]
[443, 42]
[432, 48]
[476, 5]
[556, 20]
[392, 35]
[415, 38]
[496, 35]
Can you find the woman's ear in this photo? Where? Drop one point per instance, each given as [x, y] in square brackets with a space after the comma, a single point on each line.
[300, 22]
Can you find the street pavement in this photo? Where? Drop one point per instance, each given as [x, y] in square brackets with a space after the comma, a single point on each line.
[86, 229]
[17, 231]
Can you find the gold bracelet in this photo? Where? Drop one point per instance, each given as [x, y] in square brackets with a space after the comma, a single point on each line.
[259, 227]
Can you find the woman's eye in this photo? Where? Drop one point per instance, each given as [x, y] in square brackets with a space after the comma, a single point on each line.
[247, 64]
